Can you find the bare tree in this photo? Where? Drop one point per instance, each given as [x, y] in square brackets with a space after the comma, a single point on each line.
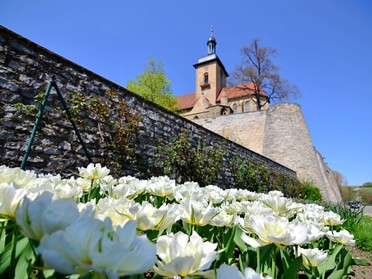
[340, 179]
[257, 75]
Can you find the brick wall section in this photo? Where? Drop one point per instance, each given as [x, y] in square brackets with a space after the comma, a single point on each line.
[25, 70]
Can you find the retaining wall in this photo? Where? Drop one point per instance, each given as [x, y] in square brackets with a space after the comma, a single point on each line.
[25, 70]
[281, 134]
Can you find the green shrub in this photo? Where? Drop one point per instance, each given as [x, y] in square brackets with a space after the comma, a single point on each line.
[248, 175]
[253, 176]
[309, 192]
[200, 164]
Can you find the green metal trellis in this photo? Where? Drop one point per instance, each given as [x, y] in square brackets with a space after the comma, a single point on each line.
[52, 84]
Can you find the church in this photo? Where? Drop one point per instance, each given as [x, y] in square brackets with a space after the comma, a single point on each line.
[278, 131]
[211, 97]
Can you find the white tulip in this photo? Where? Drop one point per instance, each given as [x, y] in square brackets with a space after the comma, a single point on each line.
[129, 187]
[91, 245]
[282, 206]
[23, 179]
[106, 185]
[254, 208]
[223, 219]
[312, 217]
[189, 190]
[161, 186]
[332, 219]
[343, 237]
[298, 233]
[234, 207]
[313, 232]
[93, 171]
[90, 206]
[82, 183]
[67, 189]
[275, 193]
[152, 218]
[214, 194]
[274, 229]
[232, 272]
[119, 211]
[45, 215]
[312, 257]
[245, 195]
[181, 255]
[196, 213]
[10, 199]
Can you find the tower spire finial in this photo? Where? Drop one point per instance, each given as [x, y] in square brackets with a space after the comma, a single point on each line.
[211, 43]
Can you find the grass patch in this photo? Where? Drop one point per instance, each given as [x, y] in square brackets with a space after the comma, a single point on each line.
[363, 235]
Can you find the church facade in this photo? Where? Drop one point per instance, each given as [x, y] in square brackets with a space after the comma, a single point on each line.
[211, 97]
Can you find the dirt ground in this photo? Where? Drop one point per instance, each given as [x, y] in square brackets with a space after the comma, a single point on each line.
[361, 272]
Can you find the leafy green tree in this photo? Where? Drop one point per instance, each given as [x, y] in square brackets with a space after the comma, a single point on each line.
[367, 184]
[154, 85]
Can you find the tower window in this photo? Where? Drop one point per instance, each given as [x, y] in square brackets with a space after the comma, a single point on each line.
[206, 78]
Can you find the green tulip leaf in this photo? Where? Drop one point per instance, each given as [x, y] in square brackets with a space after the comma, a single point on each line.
[26, 258]
[293, 269]
[239, 241]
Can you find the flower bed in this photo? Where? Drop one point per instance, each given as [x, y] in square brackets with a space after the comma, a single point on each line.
[98, 226]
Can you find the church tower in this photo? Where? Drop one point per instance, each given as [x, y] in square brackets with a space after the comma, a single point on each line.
[210, 73]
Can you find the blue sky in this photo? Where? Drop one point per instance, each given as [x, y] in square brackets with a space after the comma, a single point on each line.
[324, 47]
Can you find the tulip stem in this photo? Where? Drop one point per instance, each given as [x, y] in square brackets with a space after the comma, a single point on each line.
[13, 253]
[273, 266]
[90, 190]
[258, 269]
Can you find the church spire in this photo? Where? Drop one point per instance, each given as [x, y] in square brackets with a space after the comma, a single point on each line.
[211, 43]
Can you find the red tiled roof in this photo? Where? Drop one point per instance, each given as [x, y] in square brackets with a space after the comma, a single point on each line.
[238, 91]
[186, 101]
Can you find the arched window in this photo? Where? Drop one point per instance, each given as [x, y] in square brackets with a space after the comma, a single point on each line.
[247, 107]
[235, 108]
[206, 78]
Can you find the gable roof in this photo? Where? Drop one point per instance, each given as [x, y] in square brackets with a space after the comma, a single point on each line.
[186, 101]
[239, 91]
[201, 104]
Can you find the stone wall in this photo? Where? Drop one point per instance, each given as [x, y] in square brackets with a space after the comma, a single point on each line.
[287, 140]
[25, 70]
[246, 129]
[281, 134]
